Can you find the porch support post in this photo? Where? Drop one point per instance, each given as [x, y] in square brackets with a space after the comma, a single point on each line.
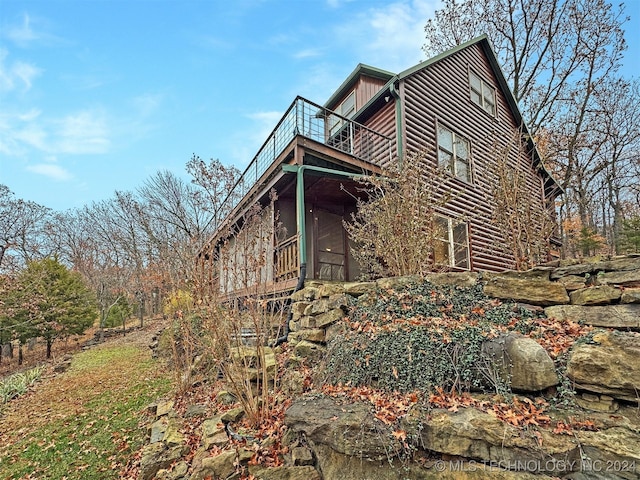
[300, 214]
[300, 206]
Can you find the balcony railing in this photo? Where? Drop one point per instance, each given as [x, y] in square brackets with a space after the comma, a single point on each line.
[311, 121]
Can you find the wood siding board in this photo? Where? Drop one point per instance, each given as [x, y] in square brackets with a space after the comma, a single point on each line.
[440, 93]
[436, 93]
[384, 122]
[366, 89]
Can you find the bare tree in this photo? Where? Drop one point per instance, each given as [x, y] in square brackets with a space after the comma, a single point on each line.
[143, 245]
[619, 124]
[176, 221]
[561, 59]
[86, 239]
[397, 228]
[21, 227]
[522, 219]
[544, 46]
[216, 183]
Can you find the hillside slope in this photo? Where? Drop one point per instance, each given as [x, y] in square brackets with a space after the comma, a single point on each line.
[84, 423]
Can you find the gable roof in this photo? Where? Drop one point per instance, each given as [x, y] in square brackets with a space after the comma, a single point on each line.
[551, 185]
[359, 71]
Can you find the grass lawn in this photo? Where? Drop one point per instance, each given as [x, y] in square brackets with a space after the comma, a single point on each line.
[86, 423]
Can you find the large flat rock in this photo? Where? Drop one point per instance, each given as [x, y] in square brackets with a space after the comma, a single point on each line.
[610, 365]
[610, 316]
[535, 291]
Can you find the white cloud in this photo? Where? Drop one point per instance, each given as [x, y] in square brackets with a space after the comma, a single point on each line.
[265, 123]
[19, 130]
[212, 42]
[307, 53]
[87, 81]
[32, 135]
[83, 132]
[389, 37]
[265, 117]
[25, 72]
[24, 34]
[246, 147]
[54, 172]
[337, 3]
[148, 103]
[319, 82]
[17, 74]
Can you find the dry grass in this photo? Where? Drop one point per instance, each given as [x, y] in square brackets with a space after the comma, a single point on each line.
[86, 422]
[37, 356]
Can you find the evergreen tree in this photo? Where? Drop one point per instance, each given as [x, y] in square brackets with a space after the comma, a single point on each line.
[631, 235]
[51, 302]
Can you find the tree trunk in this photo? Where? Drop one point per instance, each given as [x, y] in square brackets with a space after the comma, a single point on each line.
[141, 312]
[618, 219]
[49, 342]
[103, 319]
[20, 357]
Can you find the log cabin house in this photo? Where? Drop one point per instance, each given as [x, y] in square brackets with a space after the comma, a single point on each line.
[450, 106]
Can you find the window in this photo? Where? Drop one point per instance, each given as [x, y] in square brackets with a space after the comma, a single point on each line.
[453, 153]
[482, 94]
[451, 247]
[347, 108]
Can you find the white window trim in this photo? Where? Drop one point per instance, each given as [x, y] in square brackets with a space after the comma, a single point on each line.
[484, 86]
[451, 223]
[452, 168]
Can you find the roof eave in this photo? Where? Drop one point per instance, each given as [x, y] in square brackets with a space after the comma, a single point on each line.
[485, 44]
[361, 69]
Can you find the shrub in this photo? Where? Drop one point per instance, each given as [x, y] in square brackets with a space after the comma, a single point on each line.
[18, 383]
[423, 337]
[524, 221]
[178, 302]
[395, 229]
[229, 340]
[118, 313]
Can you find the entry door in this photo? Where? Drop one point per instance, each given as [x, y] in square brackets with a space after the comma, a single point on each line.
[330, 246]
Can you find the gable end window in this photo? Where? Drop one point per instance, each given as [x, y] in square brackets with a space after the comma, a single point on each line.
[451, 247]
[347, 108]
[454, 153]
[482, 94]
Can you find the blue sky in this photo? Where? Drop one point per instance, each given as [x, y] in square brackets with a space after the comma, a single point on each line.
[98, 95]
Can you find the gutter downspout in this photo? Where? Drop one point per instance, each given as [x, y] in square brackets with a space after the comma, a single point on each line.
[398, 106]
[301, 224]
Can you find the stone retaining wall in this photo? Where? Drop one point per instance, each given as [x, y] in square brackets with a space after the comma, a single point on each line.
[604, 293]
[333, 439]
[605, 371]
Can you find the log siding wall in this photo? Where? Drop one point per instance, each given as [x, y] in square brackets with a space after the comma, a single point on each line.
[440, 93]
[366, 88]
[384, 122]
[437, 93]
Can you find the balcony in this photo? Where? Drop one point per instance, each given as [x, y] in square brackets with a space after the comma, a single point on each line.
[314, 122]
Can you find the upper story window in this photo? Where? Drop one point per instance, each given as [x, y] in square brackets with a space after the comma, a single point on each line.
[482, 94]
[347, 108]
[454, 153]
[451, 247]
